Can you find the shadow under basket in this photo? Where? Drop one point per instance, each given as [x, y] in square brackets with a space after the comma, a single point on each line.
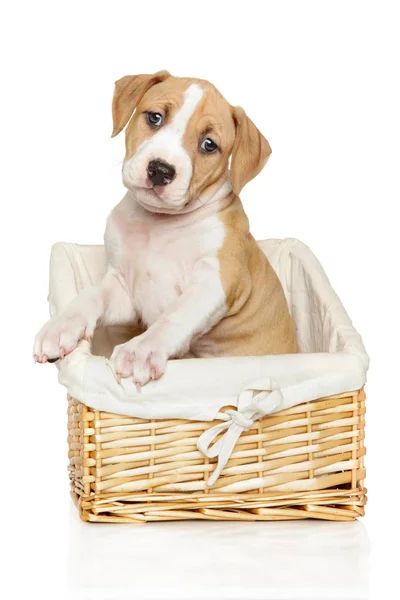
[299, 463]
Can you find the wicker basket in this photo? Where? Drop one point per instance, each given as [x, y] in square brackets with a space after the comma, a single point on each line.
[303, 462]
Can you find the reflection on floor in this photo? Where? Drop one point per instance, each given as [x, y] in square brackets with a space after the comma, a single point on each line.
[209, 560]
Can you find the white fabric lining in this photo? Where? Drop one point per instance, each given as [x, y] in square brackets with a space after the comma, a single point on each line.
[333, 358]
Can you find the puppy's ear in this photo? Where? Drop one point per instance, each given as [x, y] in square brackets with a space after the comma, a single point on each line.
[250, 151]
[127, 94]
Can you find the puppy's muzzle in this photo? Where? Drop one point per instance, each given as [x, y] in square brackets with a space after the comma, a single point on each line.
[160, 173]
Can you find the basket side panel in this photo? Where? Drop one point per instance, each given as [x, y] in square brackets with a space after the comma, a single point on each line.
[304, 462]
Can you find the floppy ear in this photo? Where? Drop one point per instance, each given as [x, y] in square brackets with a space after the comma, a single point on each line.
[127, 94]
[250, 151]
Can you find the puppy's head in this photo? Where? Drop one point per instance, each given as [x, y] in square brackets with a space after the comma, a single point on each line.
[179, 139]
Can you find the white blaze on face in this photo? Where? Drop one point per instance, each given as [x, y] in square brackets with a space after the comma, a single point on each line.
[166, 145]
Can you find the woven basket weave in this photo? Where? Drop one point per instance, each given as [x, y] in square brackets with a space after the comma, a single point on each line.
[303, 462]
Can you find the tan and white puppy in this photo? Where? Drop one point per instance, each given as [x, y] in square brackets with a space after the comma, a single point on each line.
[181, 260]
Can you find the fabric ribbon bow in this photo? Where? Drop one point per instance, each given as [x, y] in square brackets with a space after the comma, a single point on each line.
[260, 398]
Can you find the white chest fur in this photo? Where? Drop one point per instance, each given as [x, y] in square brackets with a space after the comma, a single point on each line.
[155, 254]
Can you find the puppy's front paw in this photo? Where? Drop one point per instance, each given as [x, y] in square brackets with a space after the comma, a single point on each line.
[59, 336]
[141, 358]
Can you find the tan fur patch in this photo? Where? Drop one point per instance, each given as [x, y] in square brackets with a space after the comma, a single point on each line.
[212, 118]
[165, 97]
[258, 320]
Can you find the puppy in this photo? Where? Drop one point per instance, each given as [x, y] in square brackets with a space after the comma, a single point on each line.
[180, 258]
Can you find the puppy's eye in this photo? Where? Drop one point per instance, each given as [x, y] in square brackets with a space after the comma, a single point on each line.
[154, 119]
[207, 145]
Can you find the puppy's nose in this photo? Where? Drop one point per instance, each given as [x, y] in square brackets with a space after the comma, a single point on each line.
[160, 173]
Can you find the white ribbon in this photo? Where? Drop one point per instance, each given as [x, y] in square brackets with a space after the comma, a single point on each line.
[258, 399]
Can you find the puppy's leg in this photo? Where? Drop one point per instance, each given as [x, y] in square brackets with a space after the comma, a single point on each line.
[107, 303]
[201, 305]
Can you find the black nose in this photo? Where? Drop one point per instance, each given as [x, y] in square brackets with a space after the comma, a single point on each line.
[160, 173]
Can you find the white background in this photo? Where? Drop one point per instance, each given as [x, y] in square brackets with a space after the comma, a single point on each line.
[321, 81]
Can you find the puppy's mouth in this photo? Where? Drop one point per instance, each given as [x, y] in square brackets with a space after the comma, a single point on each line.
[151, 189]
[145, 195]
